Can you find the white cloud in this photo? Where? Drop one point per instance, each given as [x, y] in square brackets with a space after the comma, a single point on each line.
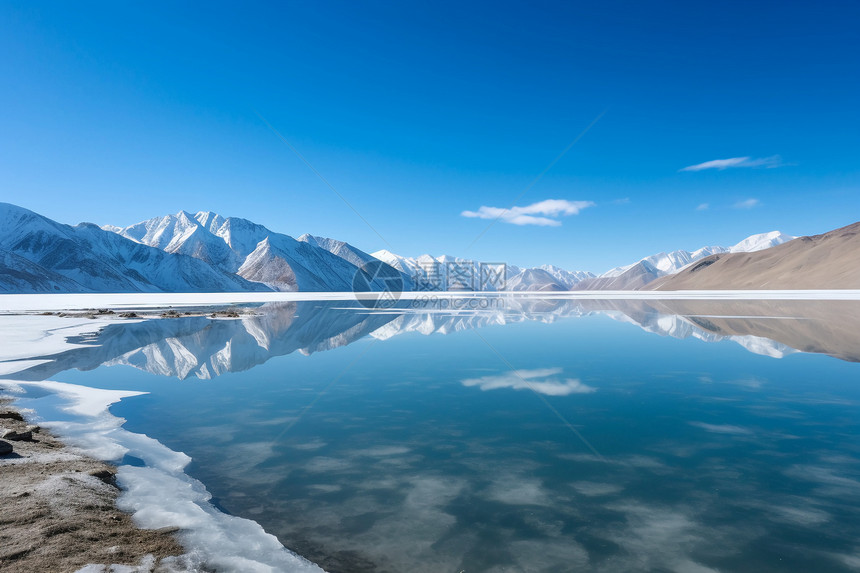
[538, 380]
[747, 204]
[768, 162]
[543, 213]
[703, 207]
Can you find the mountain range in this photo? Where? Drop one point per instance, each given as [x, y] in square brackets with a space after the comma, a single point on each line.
[649, 269]
[205, 252]
[41, 255]
[629, 277]
[175, 253]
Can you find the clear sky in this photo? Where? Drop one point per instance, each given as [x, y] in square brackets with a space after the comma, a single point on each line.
[428, 116]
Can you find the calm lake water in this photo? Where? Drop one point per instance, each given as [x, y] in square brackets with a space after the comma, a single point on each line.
[518, 436]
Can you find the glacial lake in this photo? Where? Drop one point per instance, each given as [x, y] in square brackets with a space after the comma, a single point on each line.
[538, 435]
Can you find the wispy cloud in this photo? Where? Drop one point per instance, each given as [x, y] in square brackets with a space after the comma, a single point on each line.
[541, 380]
[747, 204]
[543, 213]
[703, 207]
[720, 164]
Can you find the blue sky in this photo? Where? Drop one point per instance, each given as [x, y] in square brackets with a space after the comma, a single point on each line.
[419, 112]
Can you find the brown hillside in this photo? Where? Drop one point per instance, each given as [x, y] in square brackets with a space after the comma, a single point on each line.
[827, 261]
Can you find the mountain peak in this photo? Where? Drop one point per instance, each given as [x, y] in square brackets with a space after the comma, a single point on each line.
[760, 242]
[185, 216]
[210, 220]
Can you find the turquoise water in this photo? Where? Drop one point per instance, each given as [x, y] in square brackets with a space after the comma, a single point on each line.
[367, 443]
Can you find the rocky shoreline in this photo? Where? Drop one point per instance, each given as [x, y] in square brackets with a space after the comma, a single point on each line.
[59, 509]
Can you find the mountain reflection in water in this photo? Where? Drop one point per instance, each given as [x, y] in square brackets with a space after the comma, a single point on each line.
[203, 347]
[582, 444]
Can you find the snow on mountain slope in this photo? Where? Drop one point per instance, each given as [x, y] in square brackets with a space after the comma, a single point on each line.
[760, 242]
[20, 275]
[667, 263]
[825, 261]
[564, 277]
[264, 265]
[650, 268]
[241, 235]
[670, 263]
[103, 261]
[210, 221]
[156, 270]
[534, 280]
[358, 258]
[635, 276]
[207, 252]
[284, 263]
[547, 277]
[406, 265]
[339, 248]
[254, 252]
[161, 232]
[182, 233]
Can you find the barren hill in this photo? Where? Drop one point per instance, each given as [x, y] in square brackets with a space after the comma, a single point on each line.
[827, 261]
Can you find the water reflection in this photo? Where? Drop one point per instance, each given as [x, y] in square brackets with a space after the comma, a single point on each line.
[431, 455]
[204, 347]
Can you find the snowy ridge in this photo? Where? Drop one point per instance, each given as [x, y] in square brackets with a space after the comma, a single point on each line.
[564, 277]
[648, 269]
[254, 252]
[760, 242]
[670, 263]
[39, 251]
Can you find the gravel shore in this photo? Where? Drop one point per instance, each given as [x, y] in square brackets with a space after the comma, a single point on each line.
[58, 508]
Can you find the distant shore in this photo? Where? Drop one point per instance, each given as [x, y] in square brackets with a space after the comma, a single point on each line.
[120, 302]
[59, 507]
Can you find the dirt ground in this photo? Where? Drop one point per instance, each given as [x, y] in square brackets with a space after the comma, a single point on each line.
[57, 509]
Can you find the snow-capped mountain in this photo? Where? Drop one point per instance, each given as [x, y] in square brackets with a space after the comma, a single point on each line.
[553, 278]
[38, 251]
[544, 278]
[204, 252]
[668, 263]
[650, 268]
[825, 261]
[184, 234]
[254, 252]
[564, 277]
[632, 277]
[535, 280]
[339, 249]
[441, 273]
